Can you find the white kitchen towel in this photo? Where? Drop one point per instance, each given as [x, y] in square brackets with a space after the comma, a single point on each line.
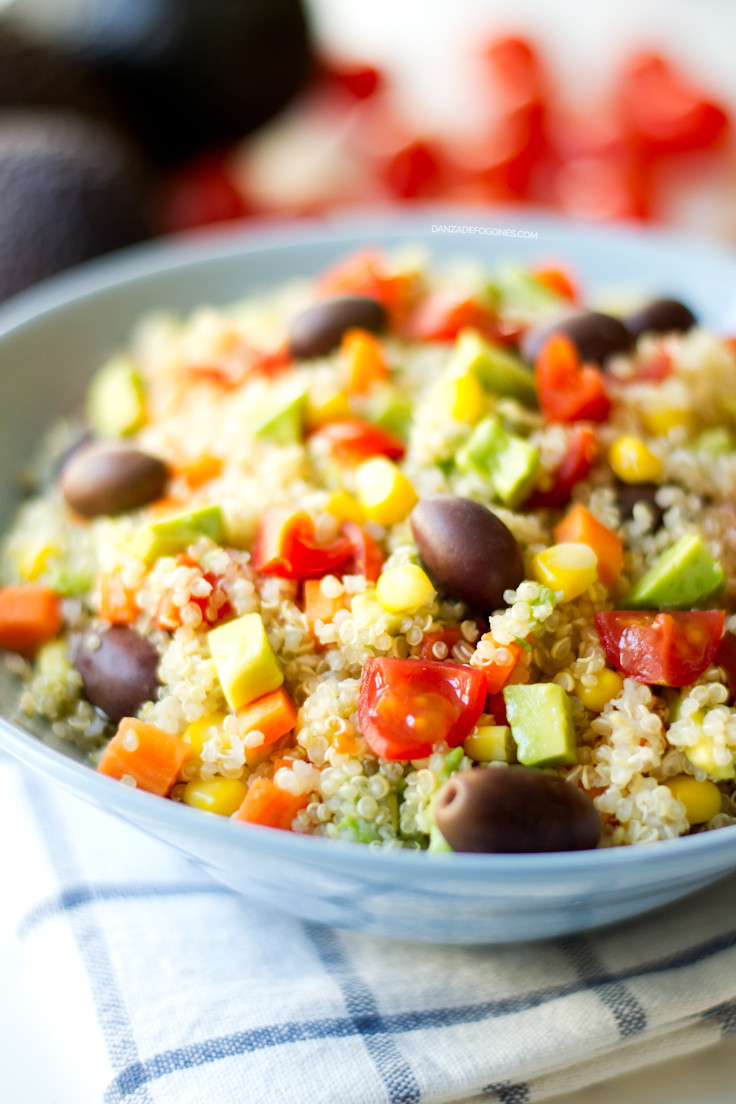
[175, 990]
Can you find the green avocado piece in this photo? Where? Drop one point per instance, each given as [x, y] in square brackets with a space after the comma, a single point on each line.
[717, 441]
[388, 408]
[116, 399]
[279, 415]
[498, 370]
[682, 577]
[174, 534]
[509, 463]
[245, 661]
[540, 716]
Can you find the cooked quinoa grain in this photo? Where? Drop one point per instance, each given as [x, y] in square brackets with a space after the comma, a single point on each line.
[304, 648]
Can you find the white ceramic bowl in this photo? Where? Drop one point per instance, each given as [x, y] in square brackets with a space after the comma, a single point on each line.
[53, 337]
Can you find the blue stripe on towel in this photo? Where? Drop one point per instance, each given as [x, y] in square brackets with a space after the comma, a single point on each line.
[112, 1014]
[371, 1024]
[626, 1010]
[362, 1008]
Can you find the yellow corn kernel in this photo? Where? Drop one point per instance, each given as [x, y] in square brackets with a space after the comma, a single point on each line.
[324, 406]
[700, 755]
[223, 796]
[633, 462]
[570, 567]
[383, 491]
[702, 800]
[404, 589]
[33, 558]
[345, 508]
[659, 421]
[608, 685]
[464, 398]
[199, 732]
[491, 744]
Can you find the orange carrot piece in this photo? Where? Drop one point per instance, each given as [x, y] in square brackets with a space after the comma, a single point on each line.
[273, 714]
[318, 607]
[116, 604]
[29, 617]
[146, 753]
[200, 471]
[498, 670]
[363, 362]
[266, 803]
[580, 525]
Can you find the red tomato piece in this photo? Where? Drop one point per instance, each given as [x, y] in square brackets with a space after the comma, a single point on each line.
[665, 111]
[726, 658]
[285, 545]
[367, 556]
[443, 314]
[664, 649]
[409, 707]
[496, 706]
[351, 441]
[567, 390]
[582, 449]
[449, 637]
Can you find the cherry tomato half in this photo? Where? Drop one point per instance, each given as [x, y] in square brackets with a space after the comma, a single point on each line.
[569, 391]
[408, 707]
[285, 545]
[663, 649]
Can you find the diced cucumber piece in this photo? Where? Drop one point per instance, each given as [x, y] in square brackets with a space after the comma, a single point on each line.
[506, 461]
[498, 370]
[541, 720]
[718, 441]
[246, 663]
[684, 576]
[388, 408]
[174, 534]
[279, 415]
[116, 403]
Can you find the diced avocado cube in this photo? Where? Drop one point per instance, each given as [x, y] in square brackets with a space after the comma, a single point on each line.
[174, 534]
[682, 577]
[506, 461]
[388, 408]
[717, 441]
[246, 664]
[279, 415]
[540, 716]
[498, 370]
[491, 744]
[116, 403]
[437, 842]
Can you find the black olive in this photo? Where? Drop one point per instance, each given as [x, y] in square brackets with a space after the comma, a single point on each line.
[468, 551]
[596, 336]
[119, 673]
[110, 478]
[661, 316]
[627, 496]
[515, 809]
[320, 328]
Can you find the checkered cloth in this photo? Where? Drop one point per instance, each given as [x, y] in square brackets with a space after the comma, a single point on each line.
[174, 990]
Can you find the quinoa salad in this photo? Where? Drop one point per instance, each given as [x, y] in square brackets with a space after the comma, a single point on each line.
[426, 559]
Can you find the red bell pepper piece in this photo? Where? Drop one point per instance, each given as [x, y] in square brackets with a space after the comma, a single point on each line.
[285, 545]
[351, 441]
[367, 556]
[569, 391]
[582, 449]
[443, 314]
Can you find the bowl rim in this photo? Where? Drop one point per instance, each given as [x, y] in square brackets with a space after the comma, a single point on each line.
[194, 248]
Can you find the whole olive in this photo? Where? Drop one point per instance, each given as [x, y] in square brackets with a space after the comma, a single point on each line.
[319, 329]
[515, 809]
[468, 551]
[661, 316]
[596, 336]
[110, 478]
[627, 496]
[118, 669]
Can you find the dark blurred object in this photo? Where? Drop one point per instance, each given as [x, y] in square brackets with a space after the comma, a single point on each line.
[70, 189]
[187, 74]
